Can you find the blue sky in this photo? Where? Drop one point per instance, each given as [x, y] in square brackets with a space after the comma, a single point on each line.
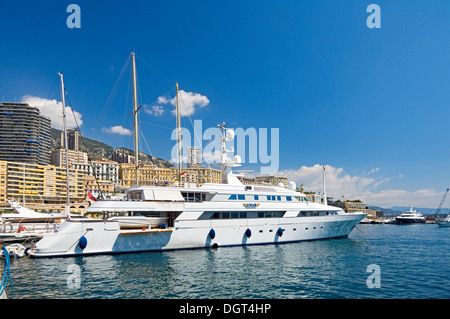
[371, 104]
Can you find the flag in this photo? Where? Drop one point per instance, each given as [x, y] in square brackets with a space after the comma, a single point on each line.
[91, 197]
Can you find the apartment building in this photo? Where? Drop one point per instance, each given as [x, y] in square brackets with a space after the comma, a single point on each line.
[25, 135]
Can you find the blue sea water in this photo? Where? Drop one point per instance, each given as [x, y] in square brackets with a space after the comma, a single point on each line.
[413, 261]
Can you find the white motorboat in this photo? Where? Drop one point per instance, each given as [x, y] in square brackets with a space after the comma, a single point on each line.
[410, 217]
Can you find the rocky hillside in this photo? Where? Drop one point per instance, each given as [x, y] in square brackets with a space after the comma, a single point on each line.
[98, 150]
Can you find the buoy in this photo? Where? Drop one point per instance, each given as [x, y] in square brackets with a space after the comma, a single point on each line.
[248, 233]
[280, 232]
[212, 233]
[215, 245]
[164, 226]
[82, 243]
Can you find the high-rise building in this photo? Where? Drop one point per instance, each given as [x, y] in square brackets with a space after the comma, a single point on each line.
[25, 134]
[73, 139]
[194, 156]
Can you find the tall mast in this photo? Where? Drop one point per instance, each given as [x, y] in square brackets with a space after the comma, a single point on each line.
[136, 148]
[65, 139]
[179, 137]
[324, 191]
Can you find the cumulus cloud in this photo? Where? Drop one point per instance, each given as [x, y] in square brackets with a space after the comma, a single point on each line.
[117, 130]
[339, 183]
[53, 110]
[188, 102]
[155, 110]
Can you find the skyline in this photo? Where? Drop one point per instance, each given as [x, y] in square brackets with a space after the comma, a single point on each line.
[369, 104]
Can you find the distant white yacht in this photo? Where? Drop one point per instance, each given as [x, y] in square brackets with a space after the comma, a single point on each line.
[410, 217]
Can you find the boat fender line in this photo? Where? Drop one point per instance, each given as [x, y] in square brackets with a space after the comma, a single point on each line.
[212, 233]
[280, 232]
[248, 233]
[82, 243]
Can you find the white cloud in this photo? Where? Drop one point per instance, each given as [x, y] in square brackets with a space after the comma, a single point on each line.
[339, 183]
[397, 197]
[187, 102]
[163, 100]
[155, 110]
[117, 130]
[53, 110]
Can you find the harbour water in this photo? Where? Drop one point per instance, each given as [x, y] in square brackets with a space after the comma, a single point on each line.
[411, 261]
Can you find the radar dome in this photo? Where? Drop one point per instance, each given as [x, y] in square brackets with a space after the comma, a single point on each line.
[229, 134]
[292, 186]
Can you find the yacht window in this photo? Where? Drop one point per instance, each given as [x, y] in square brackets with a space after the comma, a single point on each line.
[225, 215]
[234, 215]
[232, 197]
[215, 216]
[278, 197]
[241, 197]
[288, 198]
[268, 198]
[273, 197]
[256, 197]
[135, 195]
[243, 215]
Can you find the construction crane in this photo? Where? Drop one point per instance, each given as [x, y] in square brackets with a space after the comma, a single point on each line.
[438, 210]
[345, 204]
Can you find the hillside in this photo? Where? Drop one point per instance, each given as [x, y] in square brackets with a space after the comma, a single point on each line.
[98, 150]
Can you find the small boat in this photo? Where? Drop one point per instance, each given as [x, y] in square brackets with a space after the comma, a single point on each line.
[443, 223]
[129, 222]
[410, 217]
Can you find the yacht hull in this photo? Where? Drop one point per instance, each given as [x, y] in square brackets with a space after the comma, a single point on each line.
[410, 220]
[106, 237]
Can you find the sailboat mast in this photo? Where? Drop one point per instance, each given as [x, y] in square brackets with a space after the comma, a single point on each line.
[324, 191]
[65, 139]
[136, 148]
[179, 136]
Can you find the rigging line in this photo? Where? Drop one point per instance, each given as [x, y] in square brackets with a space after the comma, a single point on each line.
[155, 70]
[145, 141]
[156, 125]
[195, 133]
[114, 90]
[84, 143]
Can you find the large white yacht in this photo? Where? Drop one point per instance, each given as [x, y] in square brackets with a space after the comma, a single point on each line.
[213, 215]
[410, 217]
